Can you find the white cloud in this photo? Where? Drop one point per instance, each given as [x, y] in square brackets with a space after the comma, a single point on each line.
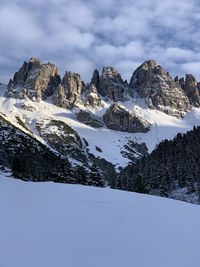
[192, 68]
[85, 34]
[19, 26]
[176, 53]
[126, 68]
[83, 66]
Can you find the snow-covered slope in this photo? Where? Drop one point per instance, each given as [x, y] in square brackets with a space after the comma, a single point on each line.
[110, 142]
[46, 224]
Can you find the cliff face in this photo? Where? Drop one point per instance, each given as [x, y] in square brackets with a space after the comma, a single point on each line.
[151, 82]
[69, 91]
[110, 84]
[37, 80]
[34, 80]
[191, 88]
[120, 119]
[92, 98]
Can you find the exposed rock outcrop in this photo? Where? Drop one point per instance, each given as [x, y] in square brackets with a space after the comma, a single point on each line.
[120, 119]
[89, 119]
[28, 107]
[191, 87]
[110, 84]
[34, 80]
[69, 92]
[37, 80]
[151, 82]
[95, 78]
[92, 98]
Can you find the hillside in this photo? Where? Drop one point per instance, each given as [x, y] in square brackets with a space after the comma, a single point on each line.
[46, 224]
[171, 170]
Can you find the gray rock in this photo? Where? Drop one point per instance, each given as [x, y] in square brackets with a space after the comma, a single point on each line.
[60, 98]
[92, 98]
[95, 78]
[110, 84]
[120, 119]
[34, 80]
[151, 82]
[191, 88]
[89, 119]
[28, 107]
[68, 94]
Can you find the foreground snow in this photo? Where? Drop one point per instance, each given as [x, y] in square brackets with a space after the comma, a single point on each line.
[48, 225]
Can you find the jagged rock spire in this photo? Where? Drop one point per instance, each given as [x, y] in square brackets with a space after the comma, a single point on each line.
[92, 98]
[34, 80]
[110, 84]
[144, 77]
[95, 78]
[151, 82]
[191, 87]
[69, 91]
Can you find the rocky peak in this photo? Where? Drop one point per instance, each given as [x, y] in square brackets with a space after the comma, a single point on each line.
[119, 118]
[35, 60]
[191, 87]
[145, 77]
[150, 65]
[95, 78]
[110, 84]
[34, 79]
[68, 94]
[73, 82]
[112, 73]
[92, 98]
[151, 82]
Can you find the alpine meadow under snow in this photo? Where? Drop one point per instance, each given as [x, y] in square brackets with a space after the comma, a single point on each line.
[47, 224]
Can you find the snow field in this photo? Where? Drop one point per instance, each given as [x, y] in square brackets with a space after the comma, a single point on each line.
[47, 224]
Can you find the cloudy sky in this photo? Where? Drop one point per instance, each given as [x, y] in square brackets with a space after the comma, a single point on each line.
[80, 35]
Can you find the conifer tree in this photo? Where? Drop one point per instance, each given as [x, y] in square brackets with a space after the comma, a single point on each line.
[163, 187]
[82, 175]
[18, 166]
[95, 178]
[139, 185]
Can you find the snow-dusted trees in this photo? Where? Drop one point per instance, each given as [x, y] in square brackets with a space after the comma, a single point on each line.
[172, 165]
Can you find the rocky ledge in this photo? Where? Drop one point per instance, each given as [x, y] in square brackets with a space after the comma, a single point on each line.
[89, 119]
[120, 119]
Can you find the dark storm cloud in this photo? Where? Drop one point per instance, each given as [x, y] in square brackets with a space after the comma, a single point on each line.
[83, 35]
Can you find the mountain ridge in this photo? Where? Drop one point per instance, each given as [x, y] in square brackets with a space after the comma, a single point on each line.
[106, 124]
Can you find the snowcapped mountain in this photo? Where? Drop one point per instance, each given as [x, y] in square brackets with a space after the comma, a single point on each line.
[108, 123]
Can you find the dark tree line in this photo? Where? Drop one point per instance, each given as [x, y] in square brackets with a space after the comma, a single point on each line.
[30, 160]
[172, 165]
[60, 171]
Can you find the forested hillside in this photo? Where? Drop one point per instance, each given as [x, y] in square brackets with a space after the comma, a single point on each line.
[171, 170]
